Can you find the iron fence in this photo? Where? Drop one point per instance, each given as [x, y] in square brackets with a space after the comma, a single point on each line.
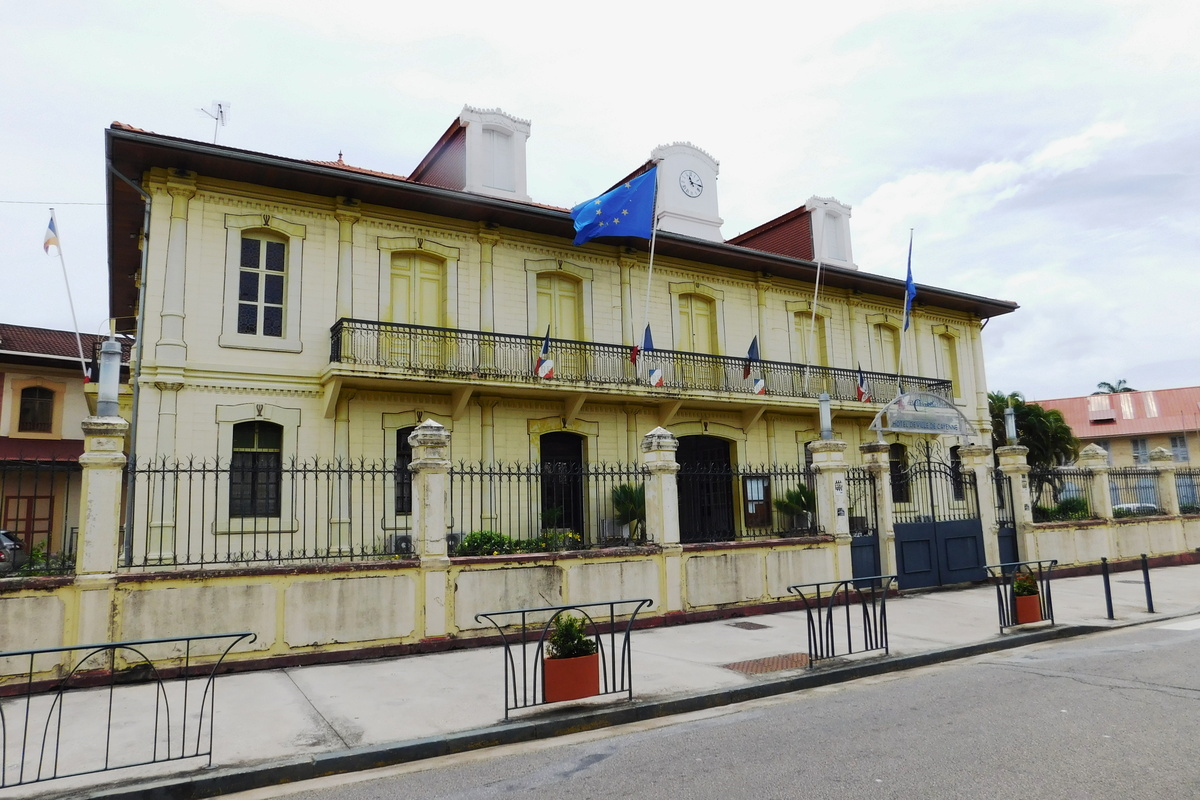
[861, 502]
[195, 512]
[474, 355]
[524, 634]
[722, 502]
[1187, 488]
[831, 633]
[1061, 494]
[39, 509]
[502, 508]
[1004, 499]
[1006, 576]
[61, 730]
[1134, 492]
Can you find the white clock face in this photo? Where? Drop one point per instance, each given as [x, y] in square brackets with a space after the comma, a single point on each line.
[690, 182]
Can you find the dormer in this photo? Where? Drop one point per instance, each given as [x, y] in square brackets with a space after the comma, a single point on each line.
[830, 221]
[687, 191]
[483, 151]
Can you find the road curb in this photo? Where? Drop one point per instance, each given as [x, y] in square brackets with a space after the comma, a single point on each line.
[213, 783]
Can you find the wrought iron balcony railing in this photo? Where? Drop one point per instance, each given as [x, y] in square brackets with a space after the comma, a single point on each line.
[476, 355]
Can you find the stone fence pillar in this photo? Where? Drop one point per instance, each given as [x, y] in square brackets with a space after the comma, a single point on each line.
[1168, 495]
[1014, 465]
[431, 494]
[103, 463]
[662, 508]
[829, 464]
[977, 460]
[1094, 458]
[875, 457]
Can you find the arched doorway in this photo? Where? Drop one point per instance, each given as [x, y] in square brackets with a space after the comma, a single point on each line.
[705, 489]
[562, 482]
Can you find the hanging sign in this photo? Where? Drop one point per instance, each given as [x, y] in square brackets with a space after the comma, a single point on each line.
[922, 412]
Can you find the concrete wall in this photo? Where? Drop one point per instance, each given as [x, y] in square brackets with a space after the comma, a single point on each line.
[1088, 542]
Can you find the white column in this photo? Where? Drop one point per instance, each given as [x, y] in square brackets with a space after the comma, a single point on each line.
[1014, 465]
[662, 509]
[875, 459]
[431, 494]
[103, 463]
[976, 458]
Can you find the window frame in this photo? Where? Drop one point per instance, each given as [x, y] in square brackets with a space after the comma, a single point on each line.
[263, 462]
[266, 228]
[288, 419]
[17, 388]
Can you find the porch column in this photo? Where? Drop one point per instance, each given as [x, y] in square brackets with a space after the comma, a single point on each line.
[340, 511]
[488, 239]
[976, 459]
[170, 351]
[1015, 467]
[346, 215]
[875, 459]
[487, 455]
[431, 493]
[628, 333]
[103, 463]
[829, 463]
[1168, 496]
[662, 509]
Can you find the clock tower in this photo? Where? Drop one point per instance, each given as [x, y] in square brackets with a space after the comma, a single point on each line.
[687, 191]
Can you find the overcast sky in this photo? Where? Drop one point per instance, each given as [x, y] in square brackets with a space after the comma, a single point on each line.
[1044, 153]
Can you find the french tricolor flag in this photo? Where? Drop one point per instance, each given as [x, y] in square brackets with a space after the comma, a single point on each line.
[545, 364]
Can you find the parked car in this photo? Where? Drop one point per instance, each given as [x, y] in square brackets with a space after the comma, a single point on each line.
[1135, 510]
[12, 552]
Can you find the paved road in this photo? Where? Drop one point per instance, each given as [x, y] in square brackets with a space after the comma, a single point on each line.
[1115, 715]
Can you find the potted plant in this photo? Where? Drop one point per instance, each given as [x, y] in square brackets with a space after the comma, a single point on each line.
[1025, 595]
[797, 505]
[571, 668]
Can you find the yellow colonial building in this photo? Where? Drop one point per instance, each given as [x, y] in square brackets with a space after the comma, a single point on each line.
[311, 312]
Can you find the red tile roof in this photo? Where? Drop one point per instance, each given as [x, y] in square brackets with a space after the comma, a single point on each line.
[1103, 416]
[50, 343]
[788, 235]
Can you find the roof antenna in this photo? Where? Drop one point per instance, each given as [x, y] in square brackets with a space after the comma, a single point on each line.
[220, 113]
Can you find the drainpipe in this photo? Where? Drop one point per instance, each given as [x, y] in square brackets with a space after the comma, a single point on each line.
[135, 369]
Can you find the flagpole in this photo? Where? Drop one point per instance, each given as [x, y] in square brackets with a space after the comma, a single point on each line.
[812, 323]
[70, 300]
[650, 268]
[907, 315]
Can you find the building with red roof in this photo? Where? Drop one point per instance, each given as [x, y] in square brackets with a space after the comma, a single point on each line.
[1128, 425]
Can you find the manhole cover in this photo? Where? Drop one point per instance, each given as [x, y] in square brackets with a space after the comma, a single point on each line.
[758, 666]
[749, 626]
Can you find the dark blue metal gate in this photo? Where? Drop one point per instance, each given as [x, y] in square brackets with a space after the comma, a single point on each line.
[864, 522]
[939, 536]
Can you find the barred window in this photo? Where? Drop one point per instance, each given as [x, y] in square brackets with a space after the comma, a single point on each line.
[261, 275]
[37, 410]
[404, 478]
[255, 470]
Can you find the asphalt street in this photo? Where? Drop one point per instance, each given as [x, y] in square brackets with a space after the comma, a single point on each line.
[1113, 715]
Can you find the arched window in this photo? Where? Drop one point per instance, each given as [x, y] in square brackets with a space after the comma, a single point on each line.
[418, 289]
[37, 410]
[404, 478]
[559, 306]
[262, 274]
[947, 355]
[811, 336]
[255, 469]
[885, 345]
[898, 468]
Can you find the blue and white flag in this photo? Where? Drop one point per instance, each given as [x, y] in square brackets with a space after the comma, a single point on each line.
[627, 210]
[910, 288]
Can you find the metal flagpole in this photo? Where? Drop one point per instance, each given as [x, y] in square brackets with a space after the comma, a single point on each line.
[907, 315]
[812, 323]
[650, 268]
[70, 301]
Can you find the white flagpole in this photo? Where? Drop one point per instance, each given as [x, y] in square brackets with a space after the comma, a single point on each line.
[812, 323]
[650, 269]
[70, 301]
[905, 318]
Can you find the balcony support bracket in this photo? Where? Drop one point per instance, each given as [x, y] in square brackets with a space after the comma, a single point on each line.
[667, 412]
[752, 415]
[571, 407]
[458, 401]
[333, 390]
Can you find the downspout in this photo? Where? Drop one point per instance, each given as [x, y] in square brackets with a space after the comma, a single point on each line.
[135, 371]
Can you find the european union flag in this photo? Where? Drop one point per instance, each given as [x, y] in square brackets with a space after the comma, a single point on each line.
[910, 288]
[627, 210]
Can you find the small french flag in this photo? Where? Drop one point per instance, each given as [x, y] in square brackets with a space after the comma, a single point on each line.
[545, 365]
[760, 386]
[860, 389]
[656, 377]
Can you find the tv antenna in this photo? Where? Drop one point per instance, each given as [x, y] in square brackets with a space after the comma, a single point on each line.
[220, 114]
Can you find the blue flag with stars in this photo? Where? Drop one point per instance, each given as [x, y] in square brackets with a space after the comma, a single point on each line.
[627, 210]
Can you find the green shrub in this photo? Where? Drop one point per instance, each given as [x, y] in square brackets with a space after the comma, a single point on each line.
[569, 639]
[629, 507]
[484, 543]
[1072, 508]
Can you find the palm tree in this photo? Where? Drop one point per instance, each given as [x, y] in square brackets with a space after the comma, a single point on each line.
[1105, 387]
[1045, 432]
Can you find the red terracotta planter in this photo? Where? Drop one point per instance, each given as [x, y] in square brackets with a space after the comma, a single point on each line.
[571, 678]
[1029, 609]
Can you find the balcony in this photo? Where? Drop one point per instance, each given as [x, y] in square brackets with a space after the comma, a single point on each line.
[417, 352]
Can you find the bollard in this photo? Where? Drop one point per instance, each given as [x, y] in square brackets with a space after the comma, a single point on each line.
[1146, 581]
[1107, 587]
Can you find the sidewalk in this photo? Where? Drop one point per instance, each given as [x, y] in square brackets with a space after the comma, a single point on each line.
[290, 724]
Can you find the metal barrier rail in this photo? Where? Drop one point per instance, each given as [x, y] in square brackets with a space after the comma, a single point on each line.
[1006, 601]
[54, 744]
[869, 594]
[525, 641]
